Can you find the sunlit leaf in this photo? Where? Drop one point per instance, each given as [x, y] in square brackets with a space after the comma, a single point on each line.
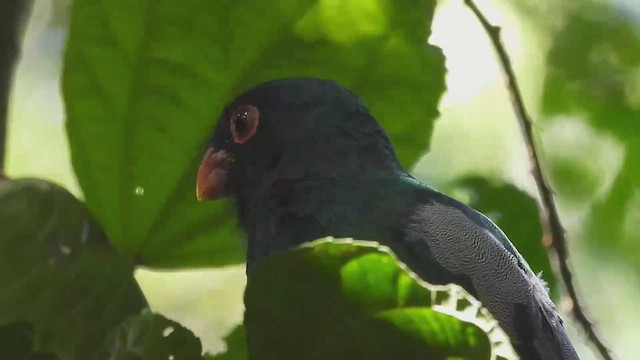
[144, 82]
[352, 300]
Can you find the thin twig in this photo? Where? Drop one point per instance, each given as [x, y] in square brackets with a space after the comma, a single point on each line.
[554, 233]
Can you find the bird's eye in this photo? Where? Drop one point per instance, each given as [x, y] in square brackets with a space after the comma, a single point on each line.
[244, 123]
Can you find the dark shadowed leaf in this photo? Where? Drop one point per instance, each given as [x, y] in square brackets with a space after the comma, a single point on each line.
[58, 274]
[145, 80]
[150, 336]
[350, 300]
[16, 342]
[516, 213]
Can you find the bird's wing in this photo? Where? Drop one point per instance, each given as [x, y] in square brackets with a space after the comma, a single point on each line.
[446, 235]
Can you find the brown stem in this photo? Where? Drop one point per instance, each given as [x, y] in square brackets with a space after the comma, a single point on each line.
[554, 233]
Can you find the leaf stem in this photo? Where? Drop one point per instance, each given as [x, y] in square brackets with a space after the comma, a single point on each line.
[554, 238]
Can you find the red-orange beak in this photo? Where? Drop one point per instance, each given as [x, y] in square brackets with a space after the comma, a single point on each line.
[212, 175]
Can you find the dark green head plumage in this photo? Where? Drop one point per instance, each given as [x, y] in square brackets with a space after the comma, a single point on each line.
[296, 129]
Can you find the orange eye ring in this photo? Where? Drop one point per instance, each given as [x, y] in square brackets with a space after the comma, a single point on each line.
[244, 123]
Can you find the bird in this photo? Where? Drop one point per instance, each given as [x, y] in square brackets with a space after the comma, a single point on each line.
[303, 159]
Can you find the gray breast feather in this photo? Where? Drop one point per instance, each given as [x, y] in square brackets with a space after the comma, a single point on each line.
[465, 242]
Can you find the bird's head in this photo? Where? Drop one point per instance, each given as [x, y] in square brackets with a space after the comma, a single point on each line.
[294, 129]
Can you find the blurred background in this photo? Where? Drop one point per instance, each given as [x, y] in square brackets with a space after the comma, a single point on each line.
[578, 63]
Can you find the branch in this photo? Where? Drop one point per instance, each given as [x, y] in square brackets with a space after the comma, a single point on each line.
[554, 233]
[11, 14]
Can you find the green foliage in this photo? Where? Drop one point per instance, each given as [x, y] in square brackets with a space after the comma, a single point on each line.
[342, 299]
[150, 336]
[58, 274]
[593, 73]
[145, 80]
[516, 213]
[16, 342]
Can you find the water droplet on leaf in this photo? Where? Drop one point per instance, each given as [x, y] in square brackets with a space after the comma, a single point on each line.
[167, 331]
[139, 190]
[65, 250]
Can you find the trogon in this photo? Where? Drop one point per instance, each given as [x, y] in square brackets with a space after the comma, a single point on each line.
[303, 159]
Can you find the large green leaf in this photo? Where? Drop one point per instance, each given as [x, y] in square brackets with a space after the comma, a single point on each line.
[150, 336]
[352, 300]
[516, 213]
[145, 80]
[593, 74]
[58, 273]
